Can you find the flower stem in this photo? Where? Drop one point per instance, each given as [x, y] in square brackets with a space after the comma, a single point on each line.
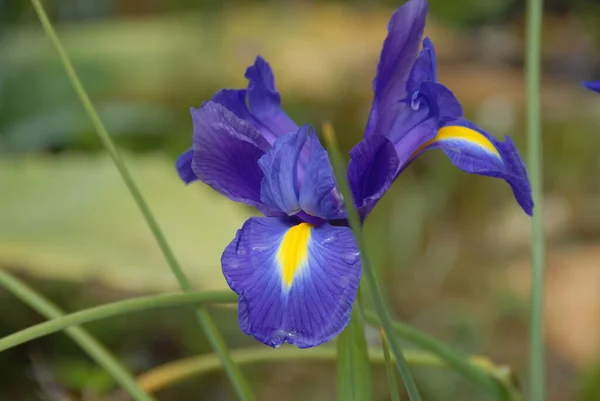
[85, 340]
[339, 167]
[534, 150]
[114, 309]
[240, 385]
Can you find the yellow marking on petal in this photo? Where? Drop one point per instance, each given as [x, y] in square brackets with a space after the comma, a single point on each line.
[462, 133]
[293, 251]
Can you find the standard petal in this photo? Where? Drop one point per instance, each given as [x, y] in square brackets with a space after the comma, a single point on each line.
[226, 151]
[372, 169]
[425, 68]
[280, 185]
[593, 85]
[184, 167]
[296, 282]
[318, 194]
[398, 55]
[475, 151]
[264, 100]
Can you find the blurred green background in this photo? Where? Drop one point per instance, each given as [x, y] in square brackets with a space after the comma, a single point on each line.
[452, 248]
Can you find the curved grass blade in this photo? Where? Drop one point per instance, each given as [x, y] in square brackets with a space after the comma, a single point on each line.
[171, 373]
[84, 339]
[238, 381]
[113, 309]
[353, 370]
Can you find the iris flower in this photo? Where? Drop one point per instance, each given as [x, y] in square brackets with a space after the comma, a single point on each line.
[593, 85]
[297, 269]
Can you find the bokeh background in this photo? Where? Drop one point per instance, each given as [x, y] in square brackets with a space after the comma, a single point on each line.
[452, 248]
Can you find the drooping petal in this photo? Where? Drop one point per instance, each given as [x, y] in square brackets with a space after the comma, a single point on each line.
[296, 282]
[280, 186]
[372, 169]
[593, 85]
[475, 151]
[225, 155]
[425, 68]
[184, 167]
[265, 101]
[398, 55]
[318, 194]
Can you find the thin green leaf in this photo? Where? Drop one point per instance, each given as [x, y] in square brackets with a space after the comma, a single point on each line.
[534, 151]
[339, 167]
[353, 371]
[114, 309]
[89, 344]
[389, 367]
[236, 377]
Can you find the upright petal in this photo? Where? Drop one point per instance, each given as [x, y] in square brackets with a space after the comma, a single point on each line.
[424, 69]
[398, 55]
[593, 85]
[475, 151]
[280, 186]
[264, 100]
[296, 283]
[318, 194]
[225, 155]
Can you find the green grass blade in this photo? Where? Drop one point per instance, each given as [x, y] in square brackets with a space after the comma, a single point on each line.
[238, 381]
[166, 375]
[534, 150]
[353, 370]
[114, 309]
[339, 166]
[389, 368]
[492, 381]
[88, 343]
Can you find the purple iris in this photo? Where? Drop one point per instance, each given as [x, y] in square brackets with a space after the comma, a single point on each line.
[593, 85]
[297, 269]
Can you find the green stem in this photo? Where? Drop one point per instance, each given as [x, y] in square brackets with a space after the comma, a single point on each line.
[494, 379]
[240, 385]
[85, 340]
[339, 167]
[115, 309]
[534, 149]
[174, 372]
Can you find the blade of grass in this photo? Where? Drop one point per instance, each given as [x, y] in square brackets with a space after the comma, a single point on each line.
[238, 381]
[534, 150]
[114, 309]
[85, 340]
[166, 375]
[339, 167]
[389, 368]
[353, 371]
[496, 380]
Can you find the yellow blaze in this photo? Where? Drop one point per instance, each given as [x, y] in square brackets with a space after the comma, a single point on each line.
[464, 133]
[293, 251]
